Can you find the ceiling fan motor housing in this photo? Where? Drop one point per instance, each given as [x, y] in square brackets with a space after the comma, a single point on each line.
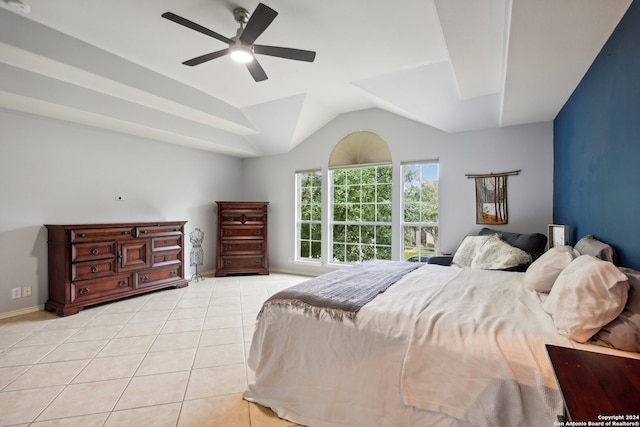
[241, 15]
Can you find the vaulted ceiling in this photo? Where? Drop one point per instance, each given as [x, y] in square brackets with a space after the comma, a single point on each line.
[456, 65]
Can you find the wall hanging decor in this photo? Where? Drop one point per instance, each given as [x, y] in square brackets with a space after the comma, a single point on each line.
[491, 197]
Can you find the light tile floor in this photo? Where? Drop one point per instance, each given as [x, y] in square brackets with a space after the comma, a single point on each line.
[176, 357]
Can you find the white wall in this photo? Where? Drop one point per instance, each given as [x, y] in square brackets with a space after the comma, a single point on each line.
[528, 147]
[53, 172]
[57, 172]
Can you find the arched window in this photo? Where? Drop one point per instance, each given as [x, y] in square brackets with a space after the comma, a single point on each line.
[360, 199]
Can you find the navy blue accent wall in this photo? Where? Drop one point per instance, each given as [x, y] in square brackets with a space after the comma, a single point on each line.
[597, 147]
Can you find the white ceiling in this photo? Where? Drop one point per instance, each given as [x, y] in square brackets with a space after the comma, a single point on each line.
[456, 65]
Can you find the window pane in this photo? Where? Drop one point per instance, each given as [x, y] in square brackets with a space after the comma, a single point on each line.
[304, 249]
[339, 253]
[384, 212]
[305, 231]
[316, 250]
[316, 231]
[353, 212]
[383, 235]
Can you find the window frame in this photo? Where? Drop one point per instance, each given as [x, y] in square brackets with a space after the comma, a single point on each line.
[364, 187]
[300, 222]
[420, 223]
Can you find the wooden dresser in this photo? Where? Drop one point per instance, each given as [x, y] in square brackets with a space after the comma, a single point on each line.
[242, 238]
[95, 263]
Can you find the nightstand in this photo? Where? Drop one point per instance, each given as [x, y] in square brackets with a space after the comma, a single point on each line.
[596, 385]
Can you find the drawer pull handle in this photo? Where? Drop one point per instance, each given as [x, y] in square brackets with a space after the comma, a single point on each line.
[83, 291]
[144, 278]
[227, 263]
[227, 248]
[122, 283]
[257, 262]
[94, 251]
[166, 257]
[173, 273]
[257, 232]
[94, 269]
[126, 232]
[227, 232]
[257, 246]
[83, 235]
[145, 231]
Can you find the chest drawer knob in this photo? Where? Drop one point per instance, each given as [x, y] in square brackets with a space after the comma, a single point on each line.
[126, 232]
[122, 283]
[173, 273]
[94, 269]
[144, 278]
[166, 257]
[94, 251]
[227, 263]
[257, 232]
[83, 291]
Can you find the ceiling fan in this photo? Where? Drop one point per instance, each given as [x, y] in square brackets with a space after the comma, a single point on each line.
[241, 46]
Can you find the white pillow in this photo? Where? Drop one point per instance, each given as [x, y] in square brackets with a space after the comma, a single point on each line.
[544, 271]
[588, 294]
[468, 250]
[496, 254]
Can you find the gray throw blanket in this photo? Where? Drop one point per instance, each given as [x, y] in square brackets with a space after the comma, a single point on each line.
[342, 292]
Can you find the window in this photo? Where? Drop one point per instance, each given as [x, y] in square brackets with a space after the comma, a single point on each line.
[420, 209]
[309, 215]
[361, 214]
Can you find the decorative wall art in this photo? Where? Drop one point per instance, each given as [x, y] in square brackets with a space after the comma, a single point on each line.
[491, 197]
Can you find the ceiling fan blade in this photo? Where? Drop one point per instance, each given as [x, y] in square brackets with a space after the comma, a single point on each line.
[285, 52]
[206, 57]
[190, 24]
[261, 18]
[256, 71]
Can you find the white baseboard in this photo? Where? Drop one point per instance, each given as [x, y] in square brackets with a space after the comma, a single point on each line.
[21, 311]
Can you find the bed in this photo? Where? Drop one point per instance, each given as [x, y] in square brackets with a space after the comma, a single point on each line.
[431, 346]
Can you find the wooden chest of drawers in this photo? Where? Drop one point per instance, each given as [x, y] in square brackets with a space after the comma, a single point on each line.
[242, 238]
[95, 263]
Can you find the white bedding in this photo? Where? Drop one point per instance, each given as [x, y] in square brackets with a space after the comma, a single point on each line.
[441, 347]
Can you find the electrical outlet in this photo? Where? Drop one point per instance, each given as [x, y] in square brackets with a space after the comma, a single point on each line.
[26, 291]
[16, 293]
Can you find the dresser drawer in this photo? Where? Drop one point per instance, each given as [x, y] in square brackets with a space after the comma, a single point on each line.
[173, 256]
[93, 234]
[159, 230]
[92, 289]
[93, 269]
[157, 276]
[91, 251]
[242, 262]
[242, 218]
[242, 232]
[242, 246]
[167, 242]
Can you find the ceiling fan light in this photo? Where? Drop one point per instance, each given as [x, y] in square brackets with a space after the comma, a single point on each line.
[241, 54]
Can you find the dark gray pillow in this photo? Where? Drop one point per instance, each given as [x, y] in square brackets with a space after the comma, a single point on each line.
[534, 243]
[623, 332]
[589, 245]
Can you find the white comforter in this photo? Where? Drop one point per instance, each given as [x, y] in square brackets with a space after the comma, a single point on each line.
[442, 346]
